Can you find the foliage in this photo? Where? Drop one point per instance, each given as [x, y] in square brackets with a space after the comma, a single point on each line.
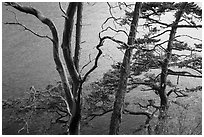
[103, 91]
[100, 101]
[148, 54]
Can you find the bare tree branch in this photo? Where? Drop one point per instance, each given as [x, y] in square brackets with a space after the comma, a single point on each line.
[109, 18]
[64, 13]
[155, 21]
[27, 29]
[78, 35]
[66, 42]
[189, 26]
[57, 60]
[24, 127]
[189, 37]
[123, 31]
[100, 53]
[137, 113]
[96, 60]
[191, 67]
[147, 122]
[179, 93]
[160, 34]
[93, 115]
[90, 60]
[182, 73]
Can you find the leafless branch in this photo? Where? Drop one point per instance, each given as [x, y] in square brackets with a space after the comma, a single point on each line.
[155, 21]
[149, 84]
[189, 37]
[151, 103]
[110, 7]
[194, 76]
[63, 11]
[89, 3]
[50, 24]
[178, 93]
[112, 16]
[147, 122]
[90, 60]
[96, 60]
[117, 31]
[66, 42]
[93, 115]
[160, 34]
[24, 127]
[189, 26]
[199, 71]
[26, 28]
[100, 53]
[137, 113]
[185, 106]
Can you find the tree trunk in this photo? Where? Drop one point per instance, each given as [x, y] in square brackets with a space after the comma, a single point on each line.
[164, 73]
[78, 35]
[66, 42]
[74, 127]
[124, 73]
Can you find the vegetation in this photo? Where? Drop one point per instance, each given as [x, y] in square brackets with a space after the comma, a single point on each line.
[165, 105]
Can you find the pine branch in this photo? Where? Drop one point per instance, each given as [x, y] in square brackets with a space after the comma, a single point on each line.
[156, 21]
[189, 37]
[189, 26]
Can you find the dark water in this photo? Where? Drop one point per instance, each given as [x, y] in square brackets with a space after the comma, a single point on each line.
[27, 59]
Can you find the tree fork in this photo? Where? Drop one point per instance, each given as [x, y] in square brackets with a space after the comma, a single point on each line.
[66, 42]
[74, 127]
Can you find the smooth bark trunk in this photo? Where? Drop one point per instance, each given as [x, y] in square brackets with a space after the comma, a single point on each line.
[74, 127]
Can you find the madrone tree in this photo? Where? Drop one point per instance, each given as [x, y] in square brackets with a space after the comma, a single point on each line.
[72, 82]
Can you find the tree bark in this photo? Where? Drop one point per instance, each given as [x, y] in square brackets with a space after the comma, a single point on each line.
[59, 66]
[73, 94]
[74, 128]
[164, 67]
[78, 35]
[164, 72]
[124, 73]
[66, 42]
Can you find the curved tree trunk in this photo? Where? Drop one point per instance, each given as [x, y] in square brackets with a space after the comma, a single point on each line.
[124, 73]
[73, 92]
